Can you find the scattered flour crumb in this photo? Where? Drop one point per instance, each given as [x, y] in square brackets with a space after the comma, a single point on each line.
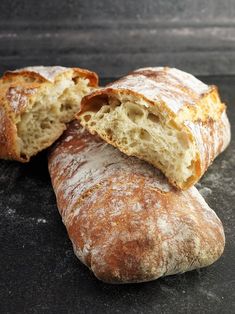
[41, 220]
[158, 205]
[11, 211]
[137, 207]
[205, 191]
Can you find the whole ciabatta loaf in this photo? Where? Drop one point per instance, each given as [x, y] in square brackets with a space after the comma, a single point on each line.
[126, 223]
[164, 116]
[35, 105]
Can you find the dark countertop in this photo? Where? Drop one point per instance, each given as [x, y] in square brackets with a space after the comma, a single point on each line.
[40, 274]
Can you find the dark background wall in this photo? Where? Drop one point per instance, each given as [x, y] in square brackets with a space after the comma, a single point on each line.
[113, 37]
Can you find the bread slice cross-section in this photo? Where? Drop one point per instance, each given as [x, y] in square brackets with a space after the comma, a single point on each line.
[164, 116]
[35, 105]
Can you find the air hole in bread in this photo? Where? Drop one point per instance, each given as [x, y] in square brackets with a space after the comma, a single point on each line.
[109, 133]
[76, 80]
[23, 156]
[87, 117]
[100, 116]
[96, 103]
[133, 144]
[105, 109]
[152, 117]
[144, 135]
[134, 113]
[125, 140]
[45, 124]
[65, 107]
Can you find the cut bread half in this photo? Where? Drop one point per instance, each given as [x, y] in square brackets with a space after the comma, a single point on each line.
[164, 116]
[35, 105]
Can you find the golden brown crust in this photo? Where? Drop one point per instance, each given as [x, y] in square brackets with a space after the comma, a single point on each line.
[193, 105]
[172, 88]
[92, 76]
[212, 137]
[8, 139]
[126, 223]
[17, 89]
[49, 73]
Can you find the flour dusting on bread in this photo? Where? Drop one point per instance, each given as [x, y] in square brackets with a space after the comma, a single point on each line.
[126, 222]
[49, 72]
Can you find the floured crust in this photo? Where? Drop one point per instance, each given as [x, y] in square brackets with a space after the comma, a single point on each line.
[170, 89]
[212, 138]
[194, 107]
[126, 222]
[50, 73]
[17, 90]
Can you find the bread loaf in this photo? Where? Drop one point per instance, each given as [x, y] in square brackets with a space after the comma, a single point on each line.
[125, 221]
[35, 105]
[164, 116]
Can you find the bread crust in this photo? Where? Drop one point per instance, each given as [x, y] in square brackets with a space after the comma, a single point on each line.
[179, 97]
[125, 221]
[17, 89]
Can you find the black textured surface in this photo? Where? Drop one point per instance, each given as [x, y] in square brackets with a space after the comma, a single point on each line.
[113, 37]
[40, 274]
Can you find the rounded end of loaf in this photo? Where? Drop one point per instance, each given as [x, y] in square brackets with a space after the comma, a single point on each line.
[144, 235]
[133, 257]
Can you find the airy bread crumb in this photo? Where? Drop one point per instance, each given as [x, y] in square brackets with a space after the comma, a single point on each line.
[138, 132]
[35, 105]
[164, 116]
[45, 118]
